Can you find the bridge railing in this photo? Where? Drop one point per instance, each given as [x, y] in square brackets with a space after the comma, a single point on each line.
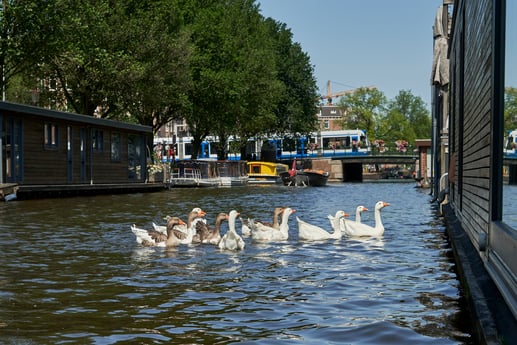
[390, 150]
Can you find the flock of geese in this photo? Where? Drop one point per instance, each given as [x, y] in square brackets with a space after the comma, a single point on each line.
[196, 229]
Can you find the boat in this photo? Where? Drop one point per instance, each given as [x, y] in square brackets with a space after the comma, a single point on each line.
[232, 172]
[304, 177]
[260, 172]
[194, 173]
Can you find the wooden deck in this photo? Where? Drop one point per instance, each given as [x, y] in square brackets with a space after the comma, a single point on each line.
[25, 192]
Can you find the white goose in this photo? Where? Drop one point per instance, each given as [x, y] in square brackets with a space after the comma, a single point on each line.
[153, 238]
[231, 240]
[355, 229]
[359, 209]
[264, 233]
[310, 232]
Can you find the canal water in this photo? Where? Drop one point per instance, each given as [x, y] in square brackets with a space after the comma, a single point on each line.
[72, 272]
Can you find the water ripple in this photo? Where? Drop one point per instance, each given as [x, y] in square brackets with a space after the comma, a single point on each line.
[73, 273]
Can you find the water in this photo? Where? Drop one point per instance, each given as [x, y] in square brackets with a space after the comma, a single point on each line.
[72, 273]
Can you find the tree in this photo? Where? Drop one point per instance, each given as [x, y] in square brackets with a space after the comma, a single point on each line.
[26, 40]
[154, 77]
[123, 60]
[297, 105]
[414, 110]
[364, 110]
[406, 119]
[510, 108]
[233, 72]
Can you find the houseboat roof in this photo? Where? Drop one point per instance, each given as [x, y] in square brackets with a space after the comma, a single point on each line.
[62, 115]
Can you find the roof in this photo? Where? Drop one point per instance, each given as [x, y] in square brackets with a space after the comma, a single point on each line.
[71, 117]
[331, 111]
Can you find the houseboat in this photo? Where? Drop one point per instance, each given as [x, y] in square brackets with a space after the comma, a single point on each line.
[54, 153]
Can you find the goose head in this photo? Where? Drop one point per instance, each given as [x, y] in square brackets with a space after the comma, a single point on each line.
[381, 204]
[174, 221]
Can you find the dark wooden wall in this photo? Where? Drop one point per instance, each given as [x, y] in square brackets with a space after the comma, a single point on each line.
[49, 166]
[476, 134]
[471, 110]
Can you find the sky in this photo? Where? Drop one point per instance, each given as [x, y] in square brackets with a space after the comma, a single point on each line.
[383, 43]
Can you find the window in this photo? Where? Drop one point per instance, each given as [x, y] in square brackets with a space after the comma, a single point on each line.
[115, 147]
[97, 140]
[50, 136]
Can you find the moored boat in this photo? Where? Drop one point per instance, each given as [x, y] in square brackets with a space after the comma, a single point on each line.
[196, 173]
[304, 177]
[232, 173]
[260, 172]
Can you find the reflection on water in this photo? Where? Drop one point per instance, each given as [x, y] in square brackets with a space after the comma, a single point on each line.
[72, 272]
[509, 202]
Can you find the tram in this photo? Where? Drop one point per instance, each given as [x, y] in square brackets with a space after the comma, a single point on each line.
[323, 144]
[317, 144]
[511, 144]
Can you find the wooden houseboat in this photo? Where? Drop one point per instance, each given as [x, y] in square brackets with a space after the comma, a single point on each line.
[54, 153]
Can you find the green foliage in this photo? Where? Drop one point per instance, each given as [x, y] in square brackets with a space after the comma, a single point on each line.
[510, 109]
[26, 39]
[407, 119]
[365, 109]
[403, 118]
[220, 65]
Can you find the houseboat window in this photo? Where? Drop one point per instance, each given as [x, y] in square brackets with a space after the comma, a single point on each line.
[50, 136]
[509, 212]
[135, 157]
[97, 140]
[115, 147]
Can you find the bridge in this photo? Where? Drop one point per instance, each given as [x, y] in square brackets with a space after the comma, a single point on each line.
[378, 159]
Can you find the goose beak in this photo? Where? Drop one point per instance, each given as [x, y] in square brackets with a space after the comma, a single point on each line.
[347, 215]
[385, 204]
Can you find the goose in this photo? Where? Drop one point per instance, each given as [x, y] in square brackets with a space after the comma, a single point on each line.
[196, 213]
[310, 232]
[205, 234]
[249, 225]
[264, 233]
[153, 238]
[355, 229]
[185, 232]
[359, 209]
[231, 240]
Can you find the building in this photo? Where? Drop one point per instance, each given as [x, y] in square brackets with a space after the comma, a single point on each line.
[331, 117]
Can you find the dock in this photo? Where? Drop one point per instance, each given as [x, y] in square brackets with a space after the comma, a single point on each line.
[25, 192]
